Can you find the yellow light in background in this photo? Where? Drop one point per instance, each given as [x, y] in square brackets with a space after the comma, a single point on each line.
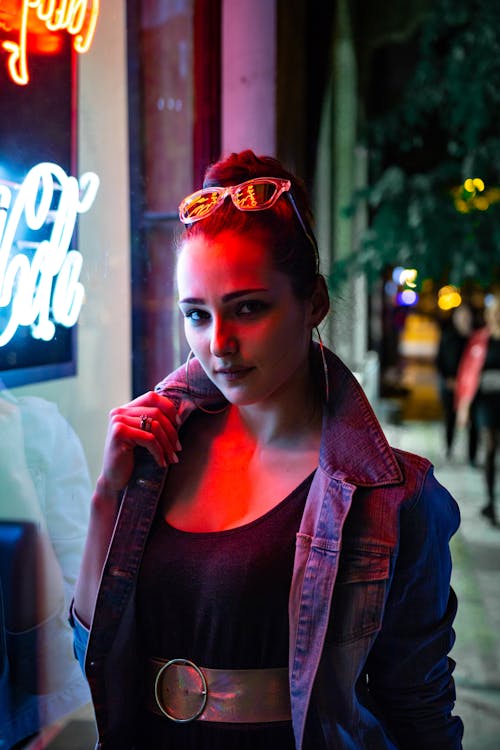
[472, 185]
[467, 197]
[449, 297]
[446, 290]
[481, 203]
[408, 277]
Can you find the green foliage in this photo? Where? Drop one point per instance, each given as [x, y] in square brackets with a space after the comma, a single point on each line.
[443, 130]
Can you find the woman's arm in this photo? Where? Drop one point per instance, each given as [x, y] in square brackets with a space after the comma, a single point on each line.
[124, 435]
[409, 671]
[103, 511]
[469, 373]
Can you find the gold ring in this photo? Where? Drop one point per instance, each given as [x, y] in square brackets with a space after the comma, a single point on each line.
[145, 423]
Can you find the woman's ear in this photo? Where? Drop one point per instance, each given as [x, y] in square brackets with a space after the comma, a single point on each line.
[320, 302]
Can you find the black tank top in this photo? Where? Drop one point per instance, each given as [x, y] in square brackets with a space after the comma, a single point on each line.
[219, 599]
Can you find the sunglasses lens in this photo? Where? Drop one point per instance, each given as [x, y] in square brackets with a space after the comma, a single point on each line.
[255, 195]
[199, 205]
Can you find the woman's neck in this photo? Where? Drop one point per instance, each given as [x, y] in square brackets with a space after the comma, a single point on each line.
[280, 421]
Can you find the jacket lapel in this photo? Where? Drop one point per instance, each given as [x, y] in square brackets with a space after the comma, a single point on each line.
[354, 453]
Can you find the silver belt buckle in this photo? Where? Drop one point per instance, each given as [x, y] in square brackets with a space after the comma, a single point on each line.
[184, 688]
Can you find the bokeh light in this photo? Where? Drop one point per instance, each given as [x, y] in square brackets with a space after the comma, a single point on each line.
[407, 297]
[449, 297]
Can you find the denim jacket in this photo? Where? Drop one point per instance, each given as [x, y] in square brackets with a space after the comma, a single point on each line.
[370, 607]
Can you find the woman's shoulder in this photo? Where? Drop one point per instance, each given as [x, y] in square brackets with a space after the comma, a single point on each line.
[189, 388]
[426, 500]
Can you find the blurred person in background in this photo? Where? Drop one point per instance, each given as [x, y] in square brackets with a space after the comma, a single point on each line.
[454, 337]
[478, 383]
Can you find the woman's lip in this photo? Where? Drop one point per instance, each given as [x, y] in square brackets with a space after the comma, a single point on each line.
[233, 372]
[235, 368]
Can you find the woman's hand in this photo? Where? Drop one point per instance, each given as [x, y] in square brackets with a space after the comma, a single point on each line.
[158, 435]
[150, 422]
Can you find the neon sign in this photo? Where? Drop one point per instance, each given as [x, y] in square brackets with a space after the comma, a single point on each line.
[40, 278]
[77, 17]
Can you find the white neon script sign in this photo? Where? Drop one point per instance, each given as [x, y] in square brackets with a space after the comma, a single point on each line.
[40, 280]
[77, 17]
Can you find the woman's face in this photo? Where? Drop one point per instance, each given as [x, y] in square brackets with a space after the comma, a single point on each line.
[241, 318]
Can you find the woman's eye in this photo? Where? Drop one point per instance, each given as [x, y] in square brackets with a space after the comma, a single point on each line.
[251, 307]
[196, 316]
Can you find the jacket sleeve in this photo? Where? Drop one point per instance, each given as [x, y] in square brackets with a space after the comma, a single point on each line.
[409, 671]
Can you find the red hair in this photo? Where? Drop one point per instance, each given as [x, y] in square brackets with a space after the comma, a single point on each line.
[293, 253]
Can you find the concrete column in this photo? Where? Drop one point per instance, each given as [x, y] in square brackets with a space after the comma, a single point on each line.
[249, 76]
[343, 140]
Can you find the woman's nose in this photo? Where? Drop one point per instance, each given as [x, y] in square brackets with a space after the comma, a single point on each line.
[223, 339]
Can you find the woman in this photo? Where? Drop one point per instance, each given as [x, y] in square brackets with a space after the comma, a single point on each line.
[454, 337]
[478, 382]
[285, 584]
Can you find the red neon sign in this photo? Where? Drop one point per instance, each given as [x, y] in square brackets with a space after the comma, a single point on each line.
[77, 17]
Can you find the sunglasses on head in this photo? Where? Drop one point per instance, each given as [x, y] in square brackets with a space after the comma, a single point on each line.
[257, 194]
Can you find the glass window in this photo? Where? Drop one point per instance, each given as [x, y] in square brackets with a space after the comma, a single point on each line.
[174, 125]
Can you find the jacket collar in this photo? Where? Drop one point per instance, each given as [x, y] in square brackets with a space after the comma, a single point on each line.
[353, 445]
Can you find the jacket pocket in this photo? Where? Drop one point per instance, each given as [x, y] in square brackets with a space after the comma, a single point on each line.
[359, 595]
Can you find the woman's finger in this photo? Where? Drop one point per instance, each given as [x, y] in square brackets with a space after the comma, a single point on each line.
[151, 431]
[150, 420]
